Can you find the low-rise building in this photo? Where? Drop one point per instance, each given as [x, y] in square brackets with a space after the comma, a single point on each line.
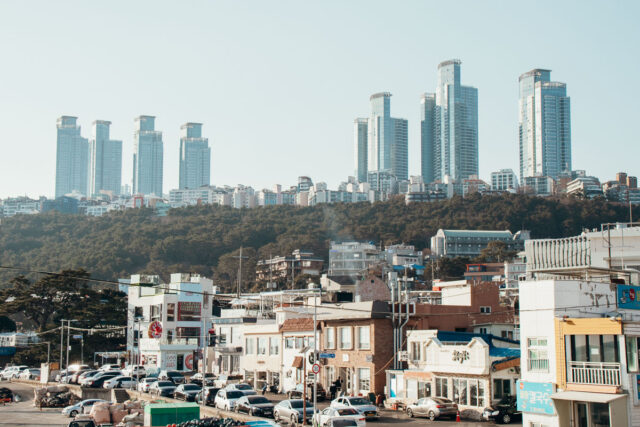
[352, 258]
[287, 268]
[470, 243]
[261, 360]
[297, 345]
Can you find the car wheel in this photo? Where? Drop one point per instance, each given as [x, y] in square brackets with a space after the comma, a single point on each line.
[506, 419]
[73, 414]
[294, 420]
[432, 415]
[410, 413]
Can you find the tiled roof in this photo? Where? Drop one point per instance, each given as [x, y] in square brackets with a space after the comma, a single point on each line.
[297, 325]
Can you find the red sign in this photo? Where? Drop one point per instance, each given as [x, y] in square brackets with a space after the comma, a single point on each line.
[632, 294]
[155, 329]
[188, 361]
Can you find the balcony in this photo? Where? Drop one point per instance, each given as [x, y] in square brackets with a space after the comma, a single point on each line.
[593, 373]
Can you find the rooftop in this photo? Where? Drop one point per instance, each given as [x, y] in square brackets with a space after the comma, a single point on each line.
[449, 62]
[380, 95]
[297, 325]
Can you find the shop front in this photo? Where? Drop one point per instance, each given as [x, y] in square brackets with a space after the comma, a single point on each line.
[584, 409]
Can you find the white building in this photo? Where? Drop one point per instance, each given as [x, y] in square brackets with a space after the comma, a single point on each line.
[352, 258]
[297, 345]
[504, 180]
[402, 255]
[261, 359]
[165, 322]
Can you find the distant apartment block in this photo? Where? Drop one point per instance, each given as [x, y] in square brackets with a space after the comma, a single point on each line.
[148, 157]
[469, 243]
[195, 157]
[72, 158]
[360, 136]
[623, 189]
[504, 180]
[352, 258]
[105, 161]
[286, 268]
[587, 186]
[538, 185]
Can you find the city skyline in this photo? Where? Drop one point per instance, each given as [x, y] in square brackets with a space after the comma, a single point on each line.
[308, 88]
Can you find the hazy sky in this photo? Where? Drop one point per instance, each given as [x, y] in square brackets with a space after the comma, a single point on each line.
[277, 84]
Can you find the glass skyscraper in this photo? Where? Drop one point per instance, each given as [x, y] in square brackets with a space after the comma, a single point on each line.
[451, 149]
[360, 131]
[195, 157]
[544, 129]
[387, 139]
[147, 157]
[105, 160]
[72, 158]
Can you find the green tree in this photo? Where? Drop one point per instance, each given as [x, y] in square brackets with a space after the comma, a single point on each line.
[496, 251]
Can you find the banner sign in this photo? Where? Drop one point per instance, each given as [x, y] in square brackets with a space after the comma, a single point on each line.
[628, 297]
[535, 398]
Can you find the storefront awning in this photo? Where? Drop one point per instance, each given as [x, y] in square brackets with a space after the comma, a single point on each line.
[581, 396]
[297, 362]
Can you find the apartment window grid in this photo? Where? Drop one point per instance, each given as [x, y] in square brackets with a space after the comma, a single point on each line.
[344, 335]
[330, 338]
[537, 355]
[364, 337]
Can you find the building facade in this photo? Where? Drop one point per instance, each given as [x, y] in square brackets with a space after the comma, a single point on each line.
[427, 136]
[360, 140]
[195, 157]
[72, 158]
[504, 180]
[470, 243]
[352, 258]
[387, 139]
[148, 157]
[105, 166]
[285, 268]
[544, 126]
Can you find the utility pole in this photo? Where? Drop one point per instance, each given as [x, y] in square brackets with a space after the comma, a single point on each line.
[240, 257]
[61, 341]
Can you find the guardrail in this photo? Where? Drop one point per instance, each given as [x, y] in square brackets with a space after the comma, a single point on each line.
[594, 373]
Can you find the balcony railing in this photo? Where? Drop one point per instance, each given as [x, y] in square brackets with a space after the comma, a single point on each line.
[594, 373]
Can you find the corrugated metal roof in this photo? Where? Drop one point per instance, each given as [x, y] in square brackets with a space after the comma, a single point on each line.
[478, 233]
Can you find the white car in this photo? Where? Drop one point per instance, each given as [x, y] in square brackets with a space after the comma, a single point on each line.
[326, 417]
[145, 383]
[12, 372]
[162, 388]
[120, 381]
[80, 408]
[360, 404]
[226, 399]
[246, 389]
[109, 368]
[30, 374]
[135, 371]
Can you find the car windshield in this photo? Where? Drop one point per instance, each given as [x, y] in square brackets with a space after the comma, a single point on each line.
[347, 411]
[258, 399]
[191, 387]
[243, 386]
[234, 394]
[359, 401]
[165, 384]
[298, 404]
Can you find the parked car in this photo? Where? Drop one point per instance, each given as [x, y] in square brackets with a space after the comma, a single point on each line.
[433, 408]
[197, 379]
[135, 371]
[98, 380]
[297, 393]
[110, 367]
[327, 416]
[505, 411]
[173, 376]
[209, 395]
[186, 392]
[75, 367]
[291, 411]
[145, 383]
[360, 404]
[226, 399]
[120, 381]
[258, 406]
[342, 422]
[246, 389]
[80, 407]
[84, 374]
[224, 380]
[162, 388]
[12, 372]
[84, 379]
[30, 374]
[75, 377]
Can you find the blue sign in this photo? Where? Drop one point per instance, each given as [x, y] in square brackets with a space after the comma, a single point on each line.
[628, 297]
[327, 355]
[638, 383]
[535, 398]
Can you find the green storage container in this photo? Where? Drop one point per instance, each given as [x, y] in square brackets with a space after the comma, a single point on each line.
[161, 414]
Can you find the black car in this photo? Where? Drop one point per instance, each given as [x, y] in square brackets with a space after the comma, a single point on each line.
[99, 381]
[186, 392]
[258, 406]
[173, 376]
[505, 411]
[210, 393]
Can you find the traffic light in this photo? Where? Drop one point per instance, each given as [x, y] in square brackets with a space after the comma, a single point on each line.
[212, 337]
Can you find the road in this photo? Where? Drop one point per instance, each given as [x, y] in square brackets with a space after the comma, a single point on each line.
[25, 414]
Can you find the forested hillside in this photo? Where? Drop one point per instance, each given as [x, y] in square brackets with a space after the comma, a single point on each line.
[204, 239]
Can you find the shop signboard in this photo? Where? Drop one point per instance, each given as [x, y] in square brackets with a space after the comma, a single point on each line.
[628, 297]
[535, 398]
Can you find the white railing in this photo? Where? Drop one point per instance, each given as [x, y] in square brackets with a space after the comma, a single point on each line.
[538, 365]
[594, 373]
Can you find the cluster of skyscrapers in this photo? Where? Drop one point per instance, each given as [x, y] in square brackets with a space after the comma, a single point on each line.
[449, 132]
[91, 167]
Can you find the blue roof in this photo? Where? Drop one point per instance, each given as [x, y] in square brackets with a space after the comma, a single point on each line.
[448, 336]
[504, 352]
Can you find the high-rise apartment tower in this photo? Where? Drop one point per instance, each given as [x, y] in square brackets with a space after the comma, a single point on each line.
[72, 158]
[105, 160]
[147, 157]
[195, 157]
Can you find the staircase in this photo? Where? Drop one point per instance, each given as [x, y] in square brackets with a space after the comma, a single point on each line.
[120, 395]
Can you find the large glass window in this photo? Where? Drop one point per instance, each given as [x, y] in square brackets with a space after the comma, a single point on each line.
[631, 345]
[364, 337]
[250, 346]
[414, 353]
[501, 388]
[364, 379]
[262, 345]
[460, 391]
[442, 387]
[345, 338]
[330, 338]
[274, 346]
[424, 389]
[592, 348]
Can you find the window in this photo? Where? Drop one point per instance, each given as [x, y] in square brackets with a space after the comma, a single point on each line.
[156, 312]
[299, 342]
[424, 389]
[345, 338]
[441, 387]
[460, 391]
[189, 311]
[364, 340]
[631, 345]
[289, 342]
[415, 351]
[171, 312]
[274, 346]
[501, 388]
[506, 334]
[223, 337]
[485, 309]
[330, 338]
[468, 392]
[262, 345]
[364, 379]
[483, 330]
[537, 358]
[592, 348]
[250, 346]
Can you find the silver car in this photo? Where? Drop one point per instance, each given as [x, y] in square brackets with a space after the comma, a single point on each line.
[433, 408]
[80, 407]
[360, 404]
